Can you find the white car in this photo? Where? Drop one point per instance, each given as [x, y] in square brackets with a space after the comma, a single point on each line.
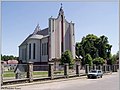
[95, 74]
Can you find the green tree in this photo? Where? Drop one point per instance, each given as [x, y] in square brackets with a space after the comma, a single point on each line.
[6, 57]
[95, 46]
[115, 58]
[117, 55]
[98, 61]
[88, 59]
[67, 58]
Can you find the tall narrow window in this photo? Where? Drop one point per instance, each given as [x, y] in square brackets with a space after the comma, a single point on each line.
[42, 48]
[29, 51]
[33, 50]
[47, 48]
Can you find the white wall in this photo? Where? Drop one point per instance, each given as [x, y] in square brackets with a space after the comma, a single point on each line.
[37, 50]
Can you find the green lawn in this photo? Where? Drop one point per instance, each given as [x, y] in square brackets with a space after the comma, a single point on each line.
[12, 74]
[35, 73]
[39, 73]
[9, 74]
[59, 72]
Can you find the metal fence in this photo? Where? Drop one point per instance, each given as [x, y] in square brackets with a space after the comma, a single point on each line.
[72, 70]
[40, 71]
[11, 71]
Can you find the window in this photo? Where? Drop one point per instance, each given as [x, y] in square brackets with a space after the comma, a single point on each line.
[44, 49]
[33, 50]
[99, 71]
[47, 48]
[29, 51]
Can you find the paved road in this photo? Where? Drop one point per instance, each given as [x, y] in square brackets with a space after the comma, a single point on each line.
[108, 82]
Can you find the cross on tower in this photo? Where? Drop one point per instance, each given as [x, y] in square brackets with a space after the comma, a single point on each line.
[61, 5]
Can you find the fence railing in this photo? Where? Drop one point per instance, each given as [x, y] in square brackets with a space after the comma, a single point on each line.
[40, 71]
[30, 72]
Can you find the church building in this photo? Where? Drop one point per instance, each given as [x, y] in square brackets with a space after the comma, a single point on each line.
[42, 46]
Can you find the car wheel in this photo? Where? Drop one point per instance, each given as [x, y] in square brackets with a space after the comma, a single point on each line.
[88, 77]
[96, 77]
[101, 76]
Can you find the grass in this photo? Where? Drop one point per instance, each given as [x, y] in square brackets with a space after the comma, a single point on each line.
[12, 74]
[58, 72]
[9, 74]
[35, 73]
[40, 73]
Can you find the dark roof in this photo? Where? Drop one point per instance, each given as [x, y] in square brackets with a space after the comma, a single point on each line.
[43, 32]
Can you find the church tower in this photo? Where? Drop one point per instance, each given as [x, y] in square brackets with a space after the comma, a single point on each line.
[61, 36]
[61, 14]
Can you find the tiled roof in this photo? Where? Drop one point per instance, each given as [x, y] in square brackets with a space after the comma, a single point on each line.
[12, 62]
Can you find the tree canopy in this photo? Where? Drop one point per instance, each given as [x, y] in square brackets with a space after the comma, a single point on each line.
[67, 58]
[88, 59]
[8, 57]
[96, 47]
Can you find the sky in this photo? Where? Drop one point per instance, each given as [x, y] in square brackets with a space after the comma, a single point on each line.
[19, 19]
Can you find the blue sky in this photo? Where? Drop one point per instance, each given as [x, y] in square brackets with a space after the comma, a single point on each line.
[19, 19]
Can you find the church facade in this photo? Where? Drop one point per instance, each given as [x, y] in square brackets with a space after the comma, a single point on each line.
[42, 46]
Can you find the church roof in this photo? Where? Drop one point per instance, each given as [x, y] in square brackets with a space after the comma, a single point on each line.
[24, 42]
[43, 32]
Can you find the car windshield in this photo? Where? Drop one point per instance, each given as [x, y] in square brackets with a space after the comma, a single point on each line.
[93, 71]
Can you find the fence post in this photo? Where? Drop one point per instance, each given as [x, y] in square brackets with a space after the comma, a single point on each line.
[100, 67]
[2, 72]
[66, 70]
[86, 68]
[115, 67]
[30, 71]
[104, 68]
[78, 69]
[51, 70]
[94, 67]
[109, 68]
